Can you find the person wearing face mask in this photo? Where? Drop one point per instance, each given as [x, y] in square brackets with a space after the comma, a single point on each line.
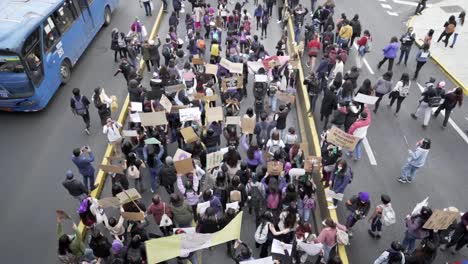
[407, 41]
[341, 177]
[358, 206]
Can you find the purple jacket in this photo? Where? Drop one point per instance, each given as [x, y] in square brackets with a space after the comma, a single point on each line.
[258, 156]
[391, 50]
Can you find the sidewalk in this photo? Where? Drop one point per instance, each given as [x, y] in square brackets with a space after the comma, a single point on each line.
[448, 59]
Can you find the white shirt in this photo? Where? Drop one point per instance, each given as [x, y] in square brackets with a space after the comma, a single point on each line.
[339, 67]
[113, 133]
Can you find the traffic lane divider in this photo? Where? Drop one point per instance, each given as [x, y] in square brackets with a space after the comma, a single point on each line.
[101, 175]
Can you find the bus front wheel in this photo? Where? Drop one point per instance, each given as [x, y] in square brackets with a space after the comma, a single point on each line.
[65, 72]
[107, 16]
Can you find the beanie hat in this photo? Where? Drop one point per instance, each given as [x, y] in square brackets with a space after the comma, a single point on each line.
[364, 196]
[116, 246]
[69, 174]
[441, 85]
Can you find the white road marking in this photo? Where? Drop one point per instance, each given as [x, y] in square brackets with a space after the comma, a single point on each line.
[386, 6]
[392, 13]
[408, 3]
[450, 121]
[370, 153]
[365, 61]
[383, 0]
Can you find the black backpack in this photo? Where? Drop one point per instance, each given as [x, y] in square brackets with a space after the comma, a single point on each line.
[134, 256]
[259, 90]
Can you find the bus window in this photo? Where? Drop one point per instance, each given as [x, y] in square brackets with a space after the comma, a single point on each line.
[51, 34]
[31, 41]
[63, 17]
[76, 4]
[34, 63]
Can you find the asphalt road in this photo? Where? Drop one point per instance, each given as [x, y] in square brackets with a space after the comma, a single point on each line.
[36, 150]
[443, 177]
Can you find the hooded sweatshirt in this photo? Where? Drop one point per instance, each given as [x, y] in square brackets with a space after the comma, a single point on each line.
[391, 50]
[418, 157]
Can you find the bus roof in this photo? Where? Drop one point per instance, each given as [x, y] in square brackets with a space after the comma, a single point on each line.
[19, 18]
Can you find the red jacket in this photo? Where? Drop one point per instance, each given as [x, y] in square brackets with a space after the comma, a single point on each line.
[314, 47]
[157, 210]
[362, 41]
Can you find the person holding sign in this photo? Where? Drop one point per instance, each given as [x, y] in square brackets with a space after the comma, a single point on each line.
[414, 229]
[460, 236]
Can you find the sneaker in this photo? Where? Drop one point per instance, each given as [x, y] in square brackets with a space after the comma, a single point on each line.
[401, 180]
[408, 181]
[424, 126]
[331, 207]
[377, 235]
[329, 199]
[414, 116]
[371, 233]
[87, 131]
[395, 114]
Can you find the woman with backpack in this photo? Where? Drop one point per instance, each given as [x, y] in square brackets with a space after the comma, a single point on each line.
[289, 196]
[393, 255]
[400, 92]
[256, 194]
[265, 21]
[451, 100]
[188, 190]
[254, 153]
[383, 214]
[274, 143]
[382, 87]
[421, 58]
[209, 223]
[328, 237]
[258, 14]
[181, 211]
[415, 230]
[115, 44]
[329, 103]
[341, 176]
[102, 102]
[265, 233]
[449, 26]
[237, 192]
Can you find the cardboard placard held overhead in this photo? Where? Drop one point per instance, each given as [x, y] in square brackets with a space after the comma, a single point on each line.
[112, 168]
[174, 88]
[274, 167]
[210, 98]
[285, 97]
[152, 141]
[213, 159]
[197, 61]
[231, 83]
[129, 133]
[189, 114]
[109, 202]
[231, 66]
[181, 154]
[62, 215]
[135, 118]
[312, 164]
[153, 119]
[214, 114]
[248, 125]
[254, 66]
[124, 196]
[271, 62]
[365, 99]
[342, 139]
[166, 103]
[189, 135]
[184, 166]
[441, 220]
[176, 108]
[136, 106]
[211, 69]
[132, 216]
[233, 120]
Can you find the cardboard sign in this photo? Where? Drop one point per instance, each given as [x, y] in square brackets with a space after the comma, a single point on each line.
[201, 207]
[267, 260]
[211, 98]
[129, 133]
[271, 62]
[117, 159]
[334, 195]
[109, 202]
[189, 135]
[342, 139]
[211, 69]
[136, 106]
[174, 88]
[254, 66]
[112, 168]
[124, 196]
[62, 215]
[313, 164]
[197, 61]
[231, 66]
[233, 120]
[132, 216]
[135, 118]
[233, 205]
[153, 119]
[231, 83]
[248, 125]
[184, 166]
[285, 97]
[214, 114]
[152, 141]
[166, 103]
[441, 220]
[274, 167]
[214, 159]
[189, 114]
[176, 108]
[365, 99]
[181, 154]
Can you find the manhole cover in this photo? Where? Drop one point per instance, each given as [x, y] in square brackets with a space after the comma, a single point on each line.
[452, 9]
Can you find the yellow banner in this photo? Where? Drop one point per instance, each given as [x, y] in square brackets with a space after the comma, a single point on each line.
[165, 248]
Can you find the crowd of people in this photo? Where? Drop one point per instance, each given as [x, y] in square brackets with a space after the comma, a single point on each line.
[220, 60]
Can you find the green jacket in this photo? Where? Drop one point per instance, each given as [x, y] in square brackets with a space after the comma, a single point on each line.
[77, 245]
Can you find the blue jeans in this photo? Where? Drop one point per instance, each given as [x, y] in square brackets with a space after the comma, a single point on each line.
[272, 100]
[357, 150]
[153, 179]
[408, 171]
[409, 242]
[88, 179]
[455, 36]
[303, 212]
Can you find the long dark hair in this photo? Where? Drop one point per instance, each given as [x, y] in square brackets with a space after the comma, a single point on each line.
[291, 218]
[64, 245]
[231, 157]
[405, 79]
[461, 16]
[459, 96]
[251, 150]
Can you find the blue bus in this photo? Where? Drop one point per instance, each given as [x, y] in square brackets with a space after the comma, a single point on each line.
[40, 42]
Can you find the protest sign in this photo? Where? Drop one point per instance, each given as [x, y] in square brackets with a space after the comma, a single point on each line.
[233, 120]
[248, 125]
[285, 97]
[271, 62]
[128, 195]
[133, 216]
[176, 108]
[233, 205]
[62, 215]
[135, 118]
[279, 247]
[181, 154]
[441, 220]
[211, 69]
[166, 103]
[152, 141]
[231, 66]
[112, 168]
[109, 202]
[334, 195]
[189, 114]
[274, 167]
[184, 166]
[136, 106]
[312, 164]
[312, 249]
[365, 99]
[201, 207]
[197, 61]
[174, 88]
[129, 133]
[267, 260]
[231, 83]
[214, 159]
[189, 135]
[214, 114]
[153, 118]
[254, 66]
[342, 139]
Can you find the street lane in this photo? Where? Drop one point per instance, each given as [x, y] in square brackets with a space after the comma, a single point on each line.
[36, 150]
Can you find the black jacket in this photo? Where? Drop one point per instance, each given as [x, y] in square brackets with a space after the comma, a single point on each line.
[356, 25]
[168, 175]
[100, 246]
[74, 187]
[432, 92]
[329, 103]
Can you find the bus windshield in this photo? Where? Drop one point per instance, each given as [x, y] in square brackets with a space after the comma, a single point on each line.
[14, 81]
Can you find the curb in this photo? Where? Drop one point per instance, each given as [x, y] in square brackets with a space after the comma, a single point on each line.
[101, 176]
[312, 128]
[436, 61]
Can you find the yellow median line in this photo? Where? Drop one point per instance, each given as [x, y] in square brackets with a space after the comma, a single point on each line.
[101, 176]
[313, 130]
[434, 59]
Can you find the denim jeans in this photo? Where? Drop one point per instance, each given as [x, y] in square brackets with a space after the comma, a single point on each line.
[272, 100]
[88, 179]
[357, 150]
[153, 179]
[409, 242]
[424, 109]
[408, 171]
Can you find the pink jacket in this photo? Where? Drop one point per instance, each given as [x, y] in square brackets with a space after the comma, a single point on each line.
[359, 127]
[328, 235]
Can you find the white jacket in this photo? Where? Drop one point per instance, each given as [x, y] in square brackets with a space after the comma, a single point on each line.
[112, 132]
